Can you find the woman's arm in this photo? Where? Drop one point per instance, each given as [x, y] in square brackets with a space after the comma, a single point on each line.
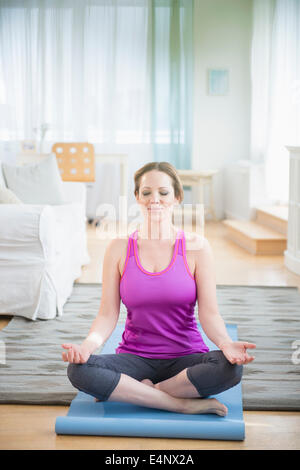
[101, 329]
[209, 316]
[109, 310]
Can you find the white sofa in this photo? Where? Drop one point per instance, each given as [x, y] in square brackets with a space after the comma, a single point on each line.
[42, 250]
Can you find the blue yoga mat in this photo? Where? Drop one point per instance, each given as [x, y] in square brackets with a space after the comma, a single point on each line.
[87, 417]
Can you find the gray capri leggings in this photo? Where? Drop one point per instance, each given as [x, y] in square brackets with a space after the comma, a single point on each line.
[210, 372]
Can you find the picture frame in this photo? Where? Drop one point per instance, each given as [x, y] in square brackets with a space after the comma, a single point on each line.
[28, 146]
[218, 82]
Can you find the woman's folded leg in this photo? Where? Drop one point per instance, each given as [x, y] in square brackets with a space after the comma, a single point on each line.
[215, 374]
[100, 375]
[200, 375]
[117, 378]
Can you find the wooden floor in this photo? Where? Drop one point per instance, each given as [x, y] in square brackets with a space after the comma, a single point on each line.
[32, 426]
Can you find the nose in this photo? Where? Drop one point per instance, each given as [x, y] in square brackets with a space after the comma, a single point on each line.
[155, 198]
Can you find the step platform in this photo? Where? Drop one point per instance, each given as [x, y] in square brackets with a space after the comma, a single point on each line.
[257, 239]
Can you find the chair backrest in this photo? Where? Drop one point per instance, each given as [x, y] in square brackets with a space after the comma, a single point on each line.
[75, 160]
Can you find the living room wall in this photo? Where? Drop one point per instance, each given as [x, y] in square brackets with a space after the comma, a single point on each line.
[222, 32]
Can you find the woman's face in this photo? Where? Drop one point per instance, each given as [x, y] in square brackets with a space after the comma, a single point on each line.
[156, 195]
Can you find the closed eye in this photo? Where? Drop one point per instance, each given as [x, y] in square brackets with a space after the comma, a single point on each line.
[162, 194]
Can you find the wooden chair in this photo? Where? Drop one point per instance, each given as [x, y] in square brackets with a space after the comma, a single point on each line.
[76, 161]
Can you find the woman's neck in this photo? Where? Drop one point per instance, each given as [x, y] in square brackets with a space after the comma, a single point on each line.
[157, 231]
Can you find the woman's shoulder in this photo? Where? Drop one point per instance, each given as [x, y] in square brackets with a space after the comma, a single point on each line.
[119, 242]
[116, 246]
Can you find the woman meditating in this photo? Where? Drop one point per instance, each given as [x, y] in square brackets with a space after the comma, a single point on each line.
[159, 273]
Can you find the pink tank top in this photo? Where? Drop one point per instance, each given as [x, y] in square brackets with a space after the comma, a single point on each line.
[160, 319]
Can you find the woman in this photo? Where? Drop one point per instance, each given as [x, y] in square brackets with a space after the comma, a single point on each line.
[162, 360]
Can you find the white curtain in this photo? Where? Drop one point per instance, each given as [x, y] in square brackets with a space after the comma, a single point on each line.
[275, 65]
[80, 66]
[86, 68]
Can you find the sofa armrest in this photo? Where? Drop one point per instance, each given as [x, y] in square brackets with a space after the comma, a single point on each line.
[27, 236]
[42, 249]
[27, 249]
[19, 223]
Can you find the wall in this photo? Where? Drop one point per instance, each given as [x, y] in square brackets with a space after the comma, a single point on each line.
[222, 34]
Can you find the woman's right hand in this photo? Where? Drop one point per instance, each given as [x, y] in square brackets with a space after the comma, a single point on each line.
[76, 354]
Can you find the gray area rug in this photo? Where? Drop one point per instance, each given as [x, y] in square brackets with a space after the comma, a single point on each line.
[34, 372]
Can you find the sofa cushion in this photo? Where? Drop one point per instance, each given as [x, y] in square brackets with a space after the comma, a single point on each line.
[8, 197]
[39, 183]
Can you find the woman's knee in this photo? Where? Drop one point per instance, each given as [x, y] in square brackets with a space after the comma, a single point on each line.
[93, 380]
[227, 375]
[75, 373]
[84, 377]
[237, 373]
[232, 372]
[215, 375]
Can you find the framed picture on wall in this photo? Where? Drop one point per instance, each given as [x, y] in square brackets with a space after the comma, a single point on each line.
[218, 82]
[28, 146]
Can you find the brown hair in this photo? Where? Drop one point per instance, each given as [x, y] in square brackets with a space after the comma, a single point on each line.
[166, 168]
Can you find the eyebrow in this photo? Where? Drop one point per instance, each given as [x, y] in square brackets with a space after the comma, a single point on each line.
[149, 187]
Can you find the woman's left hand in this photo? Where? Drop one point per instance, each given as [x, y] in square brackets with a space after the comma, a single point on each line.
[236, 352]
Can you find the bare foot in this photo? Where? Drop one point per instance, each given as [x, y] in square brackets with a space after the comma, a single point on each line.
[195, 405]
[204, 405]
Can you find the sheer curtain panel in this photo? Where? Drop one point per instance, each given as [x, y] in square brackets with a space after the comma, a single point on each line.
[275, 90]
[116, 73]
